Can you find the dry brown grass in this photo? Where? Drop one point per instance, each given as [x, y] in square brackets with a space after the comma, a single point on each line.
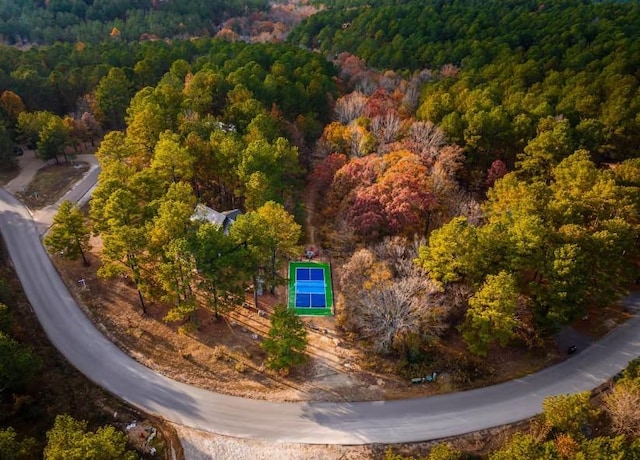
[225, 355]
[51, 183]
[600, 321]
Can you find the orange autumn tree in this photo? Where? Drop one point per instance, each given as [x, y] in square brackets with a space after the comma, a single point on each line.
[380, 195]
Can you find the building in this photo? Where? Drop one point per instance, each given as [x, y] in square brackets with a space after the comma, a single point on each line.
[223, 219]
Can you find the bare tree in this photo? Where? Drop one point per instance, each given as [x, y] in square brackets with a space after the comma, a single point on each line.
[411, 98]
[390, 80]
[411, 95]
[426, 138]
[386, 127]
[400, 254]
[422, 76]
[449, 159]
[623, 407]
[449, 70]
[469, 207]
[391, 311]
[453, 200]
[366, 83]
[385, 298]
[354, 276]
[349, 107]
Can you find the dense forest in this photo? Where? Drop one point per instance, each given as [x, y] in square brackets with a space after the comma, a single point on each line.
[415, 34]
[474, 164]
[517, 211]
[500, 161]
[46, 22]
[88, 88]
[55, 78]
[227, 136]
[498, 68]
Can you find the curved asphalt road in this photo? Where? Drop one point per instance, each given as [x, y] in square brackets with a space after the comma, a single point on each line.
[313, 423]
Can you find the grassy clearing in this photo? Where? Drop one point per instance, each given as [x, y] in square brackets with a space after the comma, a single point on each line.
[51, 183]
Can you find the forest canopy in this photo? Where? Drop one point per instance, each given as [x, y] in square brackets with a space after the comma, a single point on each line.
[49, 21]
[418, 34]
[482, 184]
[398, 154]
[497, 69]
[505, 164]
[62, 78]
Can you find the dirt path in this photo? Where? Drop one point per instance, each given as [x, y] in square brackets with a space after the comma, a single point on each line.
[29, 165]
[309, 207]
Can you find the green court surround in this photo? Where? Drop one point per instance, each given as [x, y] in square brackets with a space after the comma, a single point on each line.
[310, 311]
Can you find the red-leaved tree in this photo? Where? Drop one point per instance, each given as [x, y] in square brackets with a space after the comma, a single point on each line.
[406, 194]
[380, 103]
[379, 196]
[322, 174]
[367, 213]
[497, 169]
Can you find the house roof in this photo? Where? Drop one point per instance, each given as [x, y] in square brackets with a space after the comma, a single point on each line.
[232, 214]
[224, 219]
[208, 214]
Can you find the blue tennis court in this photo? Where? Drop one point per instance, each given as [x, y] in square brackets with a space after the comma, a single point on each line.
[310, 290]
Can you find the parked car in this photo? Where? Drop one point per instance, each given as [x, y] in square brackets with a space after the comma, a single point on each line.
[17, 151]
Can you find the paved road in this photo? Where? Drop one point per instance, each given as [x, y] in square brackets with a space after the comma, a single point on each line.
[314, 423]
[79, 193]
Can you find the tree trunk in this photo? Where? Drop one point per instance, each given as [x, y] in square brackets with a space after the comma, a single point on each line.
[215, 304]
[136, 279]
[85, 262]
[196, 187]
[273, 273]
[427, 223]
[142, 304]
[255, 291]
